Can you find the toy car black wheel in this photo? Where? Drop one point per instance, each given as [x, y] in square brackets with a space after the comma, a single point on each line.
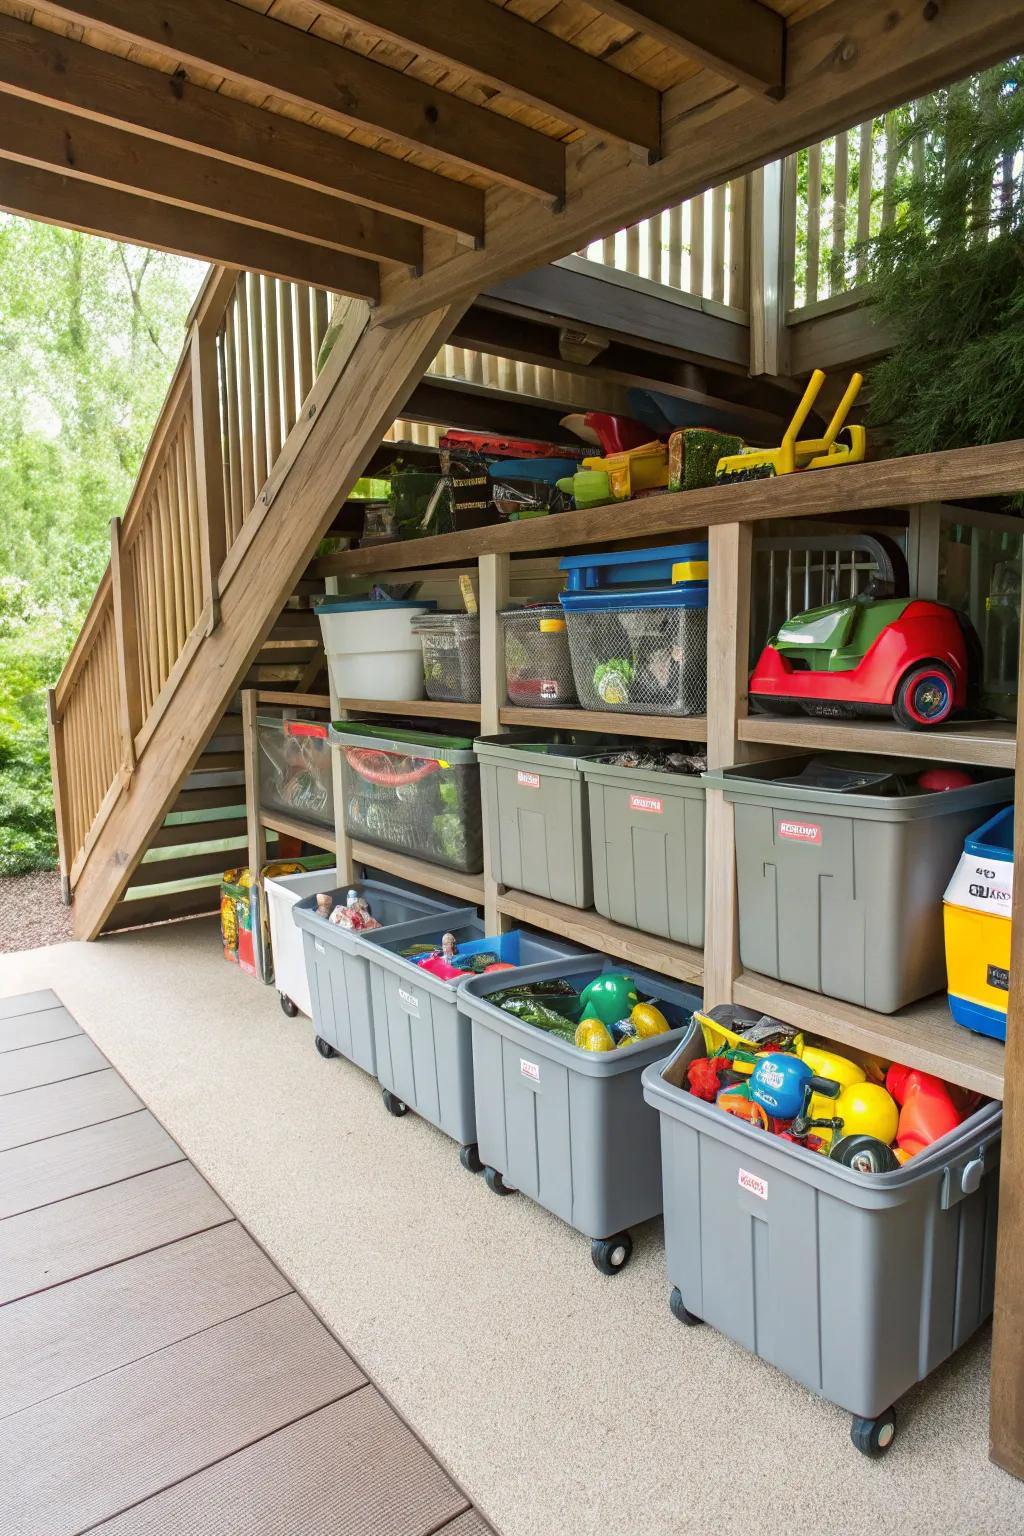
[873, 1437]
[610, 1254]
[495, 1182]
[680, 1312]
[393, 1104]
[469, 1157]
[924, 695]
[287, 1006]
[326, 1051]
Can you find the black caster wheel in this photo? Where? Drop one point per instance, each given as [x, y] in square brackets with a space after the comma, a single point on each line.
[610, 1254]
[469, 1157]
[326, 1051]
[680, 1312]
[495, 1182]
[873, 1437]
[393, 1104]
[287, 1006]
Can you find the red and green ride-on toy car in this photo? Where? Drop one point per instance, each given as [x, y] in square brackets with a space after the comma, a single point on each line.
[870, 655]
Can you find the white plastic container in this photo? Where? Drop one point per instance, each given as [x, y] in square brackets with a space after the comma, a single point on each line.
[282, 893]
[371, 649]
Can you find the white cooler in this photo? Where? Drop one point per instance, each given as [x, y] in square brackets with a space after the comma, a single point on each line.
[371, 649]
[286, 940]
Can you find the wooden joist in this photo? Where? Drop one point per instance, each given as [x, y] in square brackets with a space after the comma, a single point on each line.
[508, 53]
[77, 146]
[76, 204]
[740, 39]
[88, 81]
[307, 70]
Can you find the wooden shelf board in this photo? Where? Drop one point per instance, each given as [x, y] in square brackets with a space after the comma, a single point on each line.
[291, 826]
[995, 470]
[923, 1035]
[597, 932]
[303, 700]
[420, 872]
[429, 709]
[985, 743]
[610, 723]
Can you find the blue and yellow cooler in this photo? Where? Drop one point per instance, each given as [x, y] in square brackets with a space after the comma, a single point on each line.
[976, 911]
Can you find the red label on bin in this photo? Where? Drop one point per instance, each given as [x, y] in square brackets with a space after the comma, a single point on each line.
[528, 780]
[800, 831]
[753, 1184]
[305, 728]
[647, 803]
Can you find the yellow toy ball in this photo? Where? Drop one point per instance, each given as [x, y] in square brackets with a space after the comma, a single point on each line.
[593, 1035]
[867, 1109]
[649, 1021]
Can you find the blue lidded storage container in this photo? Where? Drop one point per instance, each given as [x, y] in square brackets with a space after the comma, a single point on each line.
[636, 621]
[976, 914]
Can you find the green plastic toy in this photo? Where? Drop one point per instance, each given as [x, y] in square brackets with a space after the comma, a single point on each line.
[610, 997]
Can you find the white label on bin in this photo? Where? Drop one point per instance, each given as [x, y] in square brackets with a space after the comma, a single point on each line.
[647, 803]
[528, 780]
[800, 831]
[318, 946]
[754, 1184]
[529, 1069]
[410, 1000]
[982, 885]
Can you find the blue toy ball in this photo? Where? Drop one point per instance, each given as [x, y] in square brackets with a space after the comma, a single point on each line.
[778, 1083]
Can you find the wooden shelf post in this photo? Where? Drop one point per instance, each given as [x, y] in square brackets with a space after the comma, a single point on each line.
[255, 830]
[126, 640]
[730, 556]
[494, 573]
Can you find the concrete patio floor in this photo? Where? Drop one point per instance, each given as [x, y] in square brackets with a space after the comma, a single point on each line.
[566, 1403]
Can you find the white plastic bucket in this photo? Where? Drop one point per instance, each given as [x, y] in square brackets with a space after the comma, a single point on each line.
[282, 892]
[371, 649]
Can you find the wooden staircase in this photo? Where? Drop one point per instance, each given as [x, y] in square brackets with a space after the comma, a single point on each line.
[250, 459]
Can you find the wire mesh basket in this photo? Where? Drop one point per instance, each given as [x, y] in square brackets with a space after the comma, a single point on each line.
[640, 660]
[538, 667]
[451, 656]
[295, 769]
[420, 799]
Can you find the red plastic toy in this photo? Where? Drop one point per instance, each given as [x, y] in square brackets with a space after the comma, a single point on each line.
[927, 1110]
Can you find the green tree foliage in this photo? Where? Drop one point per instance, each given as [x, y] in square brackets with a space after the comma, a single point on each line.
[90, 331]
[948, 274]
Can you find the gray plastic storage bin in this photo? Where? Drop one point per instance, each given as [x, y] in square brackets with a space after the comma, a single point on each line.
[337, 968]
[424, 1047]
[537, 823]
[647, 848]
[841, 892]
[568, 1127]
[856, 1285]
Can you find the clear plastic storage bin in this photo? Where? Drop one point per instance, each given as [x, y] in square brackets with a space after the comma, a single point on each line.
[451, 656]
[538, 666]
[295, 769]
[417, 792]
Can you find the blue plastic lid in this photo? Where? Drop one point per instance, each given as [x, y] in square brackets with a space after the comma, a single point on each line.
[672, 554]
[619, 601]
[994, 839]
[373, 605]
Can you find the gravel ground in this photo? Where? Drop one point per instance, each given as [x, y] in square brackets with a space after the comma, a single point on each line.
[32, 913]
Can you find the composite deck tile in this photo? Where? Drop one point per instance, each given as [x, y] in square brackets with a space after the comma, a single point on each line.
[472, 1523]
[39, 1028]
[49, 1063]
[352, 1469]
[28, 1002]
[63, 1337]
[73, 1237]
[54, 1108]
[97, 1449]
[68, 1165]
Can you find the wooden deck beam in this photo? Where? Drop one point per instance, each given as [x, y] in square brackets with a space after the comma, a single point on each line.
[740, 39]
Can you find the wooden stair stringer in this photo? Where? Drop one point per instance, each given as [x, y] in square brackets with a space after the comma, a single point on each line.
[384, 367]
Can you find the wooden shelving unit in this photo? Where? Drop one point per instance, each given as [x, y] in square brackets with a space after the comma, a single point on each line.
[983, 743]
[426, 709]
[596, 932]
[609, 722]
[433, 876]
[291, 826]
[923, 1036]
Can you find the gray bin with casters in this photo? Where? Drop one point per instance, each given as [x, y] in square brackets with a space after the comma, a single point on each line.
[856, 1285]
[647, 848]
[338, 971]
[538, 828]
[568, 1127]
[422, 1035]
[840, 891]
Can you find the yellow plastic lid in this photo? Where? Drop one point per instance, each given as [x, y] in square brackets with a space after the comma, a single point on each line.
[551, 626]
[689, 570]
